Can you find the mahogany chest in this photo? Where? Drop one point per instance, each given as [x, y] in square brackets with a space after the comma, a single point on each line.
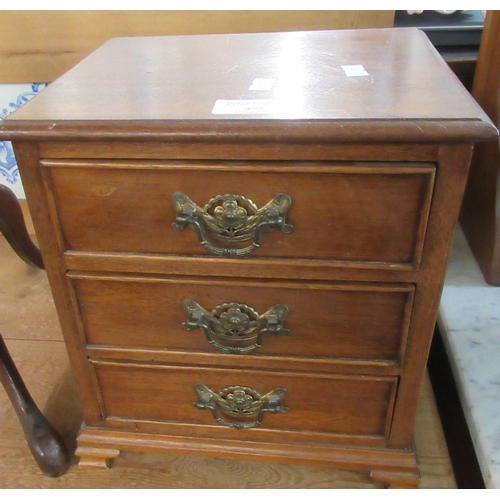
[246, 238]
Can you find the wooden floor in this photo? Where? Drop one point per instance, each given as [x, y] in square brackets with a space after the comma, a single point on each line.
[30, 328]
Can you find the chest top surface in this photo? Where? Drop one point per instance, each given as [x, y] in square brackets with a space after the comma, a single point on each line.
[327, 79]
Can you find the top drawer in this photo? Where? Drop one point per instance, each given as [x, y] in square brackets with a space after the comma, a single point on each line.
[357, 212]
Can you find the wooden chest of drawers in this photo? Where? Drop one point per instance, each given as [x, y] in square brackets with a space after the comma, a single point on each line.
[246, 237]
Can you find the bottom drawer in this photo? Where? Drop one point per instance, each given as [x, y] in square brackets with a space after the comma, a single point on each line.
[248, 399]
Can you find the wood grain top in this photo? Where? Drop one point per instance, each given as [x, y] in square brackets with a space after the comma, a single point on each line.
[203, 85]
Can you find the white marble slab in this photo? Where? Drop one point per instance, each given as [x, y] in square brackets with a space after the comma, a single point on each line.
[469, 320]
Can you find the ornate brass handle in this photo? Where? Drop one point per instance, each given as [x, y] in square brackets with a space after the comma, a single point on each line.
[231, 218]
[242, 407]
[235, 328]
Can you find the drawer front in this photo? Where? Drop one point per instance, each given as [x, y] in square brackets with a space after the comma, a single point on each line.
[356, 213]
[326, 404]
[363, 321]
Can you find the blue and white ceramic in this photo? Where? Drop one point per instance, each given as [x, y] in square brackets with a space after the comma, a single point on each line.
[12, 97]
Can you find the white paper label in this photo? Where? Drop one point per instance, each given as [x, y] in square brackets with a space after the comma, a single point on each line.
[262, 84]
[248, 107]
[355, 70]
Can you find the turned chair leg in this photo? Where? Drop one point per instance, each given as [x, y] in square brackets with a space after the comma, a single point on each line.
[13, 227]
[45, 443]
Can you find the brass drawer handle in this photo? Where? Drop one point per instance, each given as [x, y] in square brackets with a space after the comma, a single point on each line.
[242, 407]
[235, 328]
[231, 218]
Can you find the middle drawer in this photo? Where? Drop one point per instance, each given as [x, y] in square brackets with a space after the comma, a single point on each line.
[306, 319]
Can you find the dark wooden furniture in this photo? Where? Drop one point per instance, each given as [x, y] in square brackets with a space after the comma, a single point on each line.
[13, 227]
[451, 413]
[456, 37]
[250, 268]
[480, 214]
[45, 443]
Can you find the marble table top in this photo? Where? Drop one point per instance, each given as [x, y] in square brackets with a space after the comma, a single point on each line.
[469, 321]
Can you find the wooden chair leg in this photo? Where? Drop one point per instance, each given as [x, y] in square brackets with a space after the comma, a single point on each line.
[13, 227]
[45, 443]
